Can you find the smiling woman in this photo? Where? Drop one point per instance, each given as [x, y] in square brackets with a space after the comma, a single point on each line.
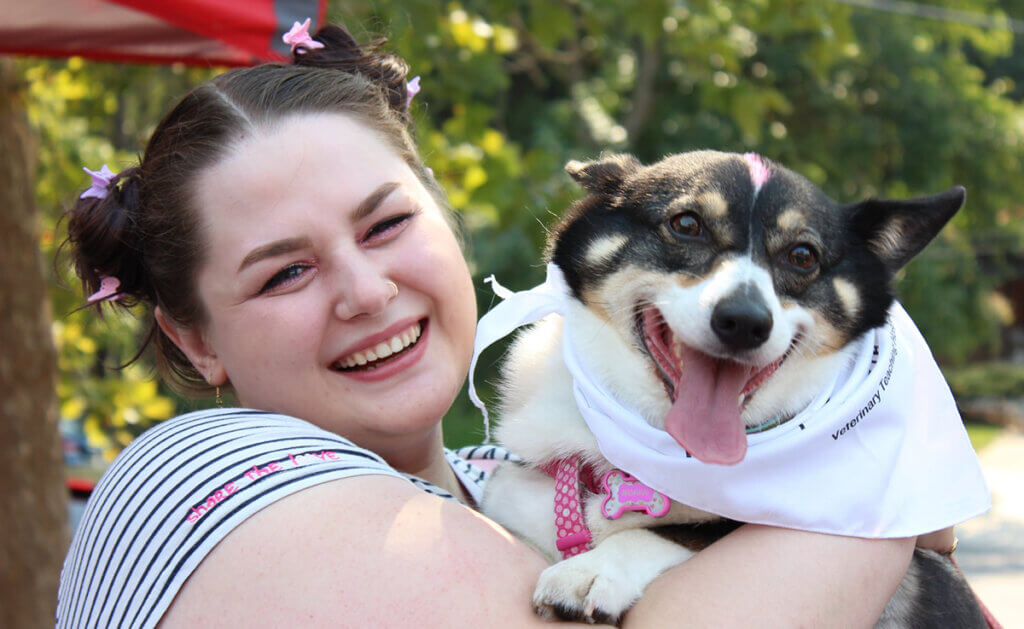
[287, 242]
[328, 248]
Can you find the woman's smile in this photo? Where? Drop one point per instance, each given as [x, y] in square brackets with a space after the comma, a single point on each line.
[386, 354]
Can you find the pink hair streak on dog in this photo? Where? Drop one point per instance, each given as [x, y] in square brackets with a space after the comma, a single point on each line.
[759, 171]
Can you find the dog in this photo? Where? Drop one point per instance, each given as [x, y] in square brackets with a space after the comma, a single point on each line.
[715, 295]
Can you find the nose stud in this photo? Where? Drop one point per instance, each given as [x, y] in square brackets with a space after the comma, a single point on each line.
[366, 300]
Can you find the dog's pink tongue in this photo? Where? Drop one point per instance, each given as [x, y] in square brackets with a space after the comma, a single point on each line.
[705, 416]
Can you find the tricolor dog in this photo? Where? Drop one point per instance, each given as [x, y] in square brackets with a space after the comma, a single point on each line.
[747, 323]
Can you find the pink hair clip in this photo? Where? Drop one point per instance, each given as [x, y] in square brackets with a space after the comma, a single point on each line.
[412, 88]
[299, 37]
[100, 183]
[109, 290]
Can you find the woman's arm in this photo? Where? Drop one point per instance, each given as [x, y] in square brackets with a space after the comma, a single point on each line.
[375, 551]
[778, 578]
[366, 551]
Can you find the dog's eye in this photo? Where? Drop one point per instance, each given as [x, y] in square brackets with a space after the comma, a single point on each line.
[685, 224]
[803, 257]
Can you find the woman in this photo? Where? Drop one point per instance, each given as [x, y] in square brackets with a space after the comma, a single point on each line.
[290, 244]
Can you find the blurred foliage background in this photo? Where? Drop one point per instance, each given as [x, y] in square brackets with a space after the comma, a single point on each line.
[862, 101]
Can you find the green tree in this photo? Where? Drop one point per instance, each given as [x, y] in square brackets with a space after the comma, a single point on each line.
[864, 103]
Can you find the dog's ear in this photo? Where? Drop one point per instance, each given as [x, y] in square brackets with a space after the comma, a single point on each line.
[897, 231]
[603, 175]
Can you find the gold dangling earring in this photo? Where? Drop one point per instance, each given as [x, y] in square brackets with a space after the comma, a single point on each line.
[220, 400]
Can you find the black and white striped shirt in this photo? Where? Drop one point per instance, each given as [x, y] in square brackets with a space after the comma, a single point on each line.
[181, 487]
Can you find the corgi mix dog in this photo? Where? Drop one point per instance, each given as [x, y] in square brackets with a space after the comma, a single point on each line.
[723, 292]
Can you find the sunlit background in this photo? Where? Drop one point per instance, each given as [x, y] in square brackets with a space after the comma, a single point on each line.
[864, 97]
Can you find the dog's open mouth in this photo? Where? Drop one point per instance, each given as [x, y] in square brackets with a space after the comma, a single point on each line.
[708, 393]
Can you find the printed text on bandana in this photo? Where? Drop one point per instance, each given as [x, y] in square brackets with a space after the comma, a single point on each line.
[256, 472]
[877, 397]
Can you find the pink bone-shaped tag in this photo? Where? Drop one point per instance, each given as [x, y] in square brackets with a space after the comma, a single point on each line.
[625, 493]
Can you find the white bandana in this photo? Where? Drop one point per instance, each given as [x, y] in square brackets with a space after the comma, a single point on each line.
[882, 452]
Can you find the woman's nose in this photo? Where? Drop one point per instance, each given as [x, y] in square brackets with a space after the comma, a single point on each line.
[365, 292]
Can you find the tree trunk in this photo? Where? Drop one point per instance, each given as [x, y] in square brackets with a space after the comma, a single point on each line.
[33, 500]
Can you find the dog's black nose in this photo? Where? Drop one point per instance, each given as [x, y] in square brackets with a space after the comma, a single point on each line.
[742, 321]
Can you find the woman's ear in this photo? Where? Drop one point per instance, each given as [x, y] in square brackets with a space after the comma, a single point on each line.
[191, 343]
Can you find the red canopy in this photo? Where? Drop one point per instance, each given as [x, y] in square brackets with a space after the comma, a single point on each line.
[196, 32]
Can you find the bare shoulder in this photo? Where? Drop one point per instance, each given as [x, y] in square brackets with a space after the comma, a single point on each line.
[372, 550]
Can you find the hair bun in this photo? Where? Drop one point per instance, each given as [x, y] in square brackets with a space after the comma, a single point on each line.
[106, 239]
[342, 52]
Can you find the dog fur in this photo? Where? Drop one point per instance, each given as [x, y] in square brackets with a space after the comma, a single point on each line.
[719, 255]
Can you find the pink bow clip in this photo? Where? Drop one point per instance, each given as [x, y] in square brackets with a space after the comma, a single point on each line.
[412, 88]
[109, 290]
[100, 183]
[299, 37]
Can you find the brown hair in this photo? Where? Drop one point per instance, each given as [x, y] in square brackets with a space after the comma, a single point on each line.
[146, 231]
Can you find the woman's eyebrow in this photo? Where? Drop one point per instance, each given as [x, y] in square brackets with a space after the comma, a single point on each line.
[375, 198]
[278, 247]
[275, 248]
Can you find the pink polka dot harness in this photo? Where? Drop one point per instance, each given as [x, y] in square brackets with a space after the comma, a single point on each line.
[622, 493]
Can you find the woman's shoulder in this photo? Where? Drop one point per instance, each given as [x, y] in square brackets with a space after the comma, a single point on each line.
[226, 451]
[372, 551]
[369, 551]
[179, 489]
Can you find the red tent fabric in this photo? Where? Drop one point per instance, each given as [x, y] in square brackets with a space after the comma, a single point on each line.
[195, 32]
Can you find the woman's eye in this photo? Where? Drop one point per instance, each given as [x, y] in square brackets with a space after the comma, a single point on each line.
[686, 224]
[285, 276]
[803, 258]
[386, 226]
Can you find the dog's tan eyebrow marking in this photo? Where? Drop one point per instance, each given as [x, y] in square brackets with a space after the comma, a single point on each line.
[790, 219]
[848, 295]
[681, 203]
[710, 204]
[601, 250]
[713, 204]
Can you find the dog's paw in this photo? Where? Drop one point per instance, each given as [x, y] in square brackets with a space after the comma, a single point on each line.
[582, 589]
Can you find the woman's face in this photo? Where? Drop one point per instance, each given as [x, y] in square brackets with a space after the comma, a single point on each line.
[310, 226]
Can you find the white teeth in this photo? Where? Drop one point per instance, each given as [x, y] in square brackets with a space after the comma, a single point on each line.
[383, 349]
